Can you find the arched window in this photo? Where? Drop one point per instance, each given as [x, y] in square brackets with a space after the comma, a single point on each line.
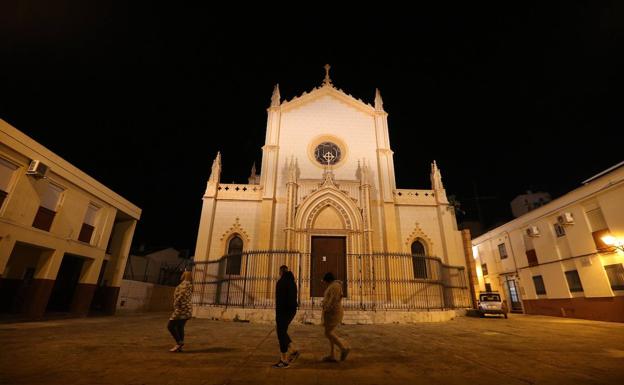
[234, 255]
[419, 262]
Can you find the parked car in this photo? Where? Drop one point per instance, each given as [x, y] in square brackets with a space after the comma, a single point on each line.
[491, 303]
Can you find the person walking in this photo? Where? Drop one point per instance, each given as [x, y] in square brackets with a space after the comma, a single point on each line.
[285, 310]
[182, 310]
[332, 317]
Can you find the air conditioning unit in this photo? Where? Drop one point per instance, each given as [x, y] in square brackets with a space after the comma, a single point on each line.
[36, 168]
[565, 219]
[533, 231]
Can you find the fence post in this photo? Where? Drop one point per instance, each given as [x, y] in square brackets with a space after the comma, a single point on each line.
[444, 283]
[299, 288]
[374, 285]
[227, 294]
[361, 272]
[203, 289]
[245, 279]
[427, 284]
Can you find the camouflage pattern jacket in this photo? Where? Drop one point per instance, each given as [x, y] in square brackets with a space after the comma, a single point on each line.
[182, 306]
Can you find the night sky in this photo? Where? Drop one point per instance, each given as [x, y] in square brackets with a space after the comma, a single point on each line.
[141, 97]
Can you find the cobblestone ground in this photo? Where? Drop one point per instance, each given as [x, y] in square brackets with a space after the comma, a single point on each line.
[134, 350]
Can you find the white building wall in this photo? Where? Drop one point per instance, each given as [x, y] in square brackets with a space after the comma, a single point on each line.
[279, 223]
[579, 236]
[612, 205]
[576, 250]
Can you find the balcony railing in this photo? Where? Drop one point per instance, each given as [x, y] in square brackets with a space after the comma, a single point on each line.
[380, 281]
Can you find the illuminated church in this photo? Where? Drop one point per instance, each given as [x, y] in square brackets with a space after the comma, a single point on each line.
[326, 200]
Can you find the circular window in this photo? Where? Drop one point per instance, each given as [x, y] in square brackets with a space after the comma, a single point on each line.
[327, 153]
[325, 150]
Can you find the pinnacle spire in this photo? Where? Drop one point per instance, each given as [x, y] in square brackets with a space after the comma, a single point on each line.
[293, 165]
[365, 175]
[275, 98]
[436, 177]
[378, 100]
[253, 177]
[215, 174]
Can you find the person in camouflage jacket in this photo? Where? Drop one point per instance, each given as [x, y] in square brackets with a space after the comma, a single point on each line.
[182, 310]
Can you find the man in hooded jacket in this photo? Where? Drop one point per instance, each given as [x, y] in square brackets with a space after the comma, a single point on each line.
[285, 310]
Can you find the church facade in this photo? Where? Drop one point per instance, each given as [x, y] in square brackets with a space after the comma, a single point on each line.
[326, 200]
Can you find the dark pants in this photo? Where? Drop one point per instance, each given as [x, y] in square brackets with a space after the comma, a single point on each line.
[176, 328]
[282, 320]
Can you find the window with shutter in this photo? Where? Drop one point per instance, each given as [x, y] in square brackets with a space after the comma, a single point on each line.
[88, 225]
[7, 169]
[502, 251]
[50, 199]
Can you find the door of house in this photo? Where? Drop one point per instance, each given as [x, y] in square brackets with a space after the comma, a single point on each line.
[329, 254]
[516, 305]
[65, 285]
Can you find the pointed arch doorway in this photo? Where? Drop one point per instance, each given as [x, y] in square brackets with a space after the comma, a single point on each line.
[328, 254]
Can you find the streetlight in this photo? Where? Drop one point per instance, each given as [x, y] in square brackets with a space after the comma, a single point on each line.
[610, 240]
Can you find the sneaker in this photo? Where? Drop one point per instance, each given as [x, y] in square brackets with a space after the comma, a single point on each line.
[293, 356]
[280, 365]
[344, 354]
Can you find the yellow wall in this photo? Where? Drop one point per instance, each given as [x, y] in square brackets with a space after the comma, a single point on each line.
[79, 190]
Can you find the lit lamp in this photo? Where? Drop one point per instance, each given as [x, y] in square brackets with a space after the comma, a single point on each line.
[612, 241]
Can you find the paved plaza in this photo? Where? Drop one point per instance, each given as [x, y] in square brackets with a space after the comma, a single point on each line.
[133, 349]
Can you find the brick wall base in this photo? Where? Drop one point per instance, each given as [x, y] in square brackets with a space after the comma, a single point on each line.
[599, 309]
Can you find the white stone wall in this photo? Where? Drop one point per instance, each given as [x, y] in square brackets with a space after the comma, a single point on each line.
[326, 116]
[301, 125]
[225, 223]
[279, 223]
[427, 219]
[136, 297]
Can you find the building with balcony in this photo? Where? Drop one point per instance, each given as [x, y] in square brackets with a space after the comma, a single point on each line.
[64, 237]
[562, 259]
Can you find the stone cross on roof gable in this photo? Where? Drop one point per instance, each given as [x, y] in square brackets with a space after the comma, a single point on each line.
[327, 81]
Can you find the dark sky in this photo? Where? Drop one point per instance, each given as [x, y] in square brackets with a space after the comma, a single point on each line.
[141, 97]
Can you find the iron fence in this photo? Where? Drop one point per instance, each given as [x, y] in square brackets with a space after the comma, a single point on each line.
[378, 281]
